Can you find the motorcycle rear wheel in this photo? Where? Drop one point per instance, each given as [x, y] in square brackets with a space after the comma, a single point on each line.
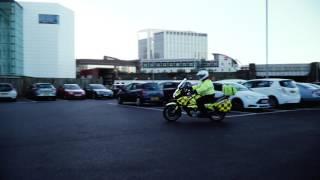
[171, 113]
[216, 116]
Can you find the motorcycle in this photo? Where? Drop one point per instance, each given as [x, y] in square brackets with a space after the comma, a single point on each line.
[184, 98]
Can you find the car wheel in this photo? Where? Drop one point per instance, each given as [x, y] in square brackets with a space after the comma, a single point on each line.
[273, 102]
[237, 104]
[120, 101]
[139, 101]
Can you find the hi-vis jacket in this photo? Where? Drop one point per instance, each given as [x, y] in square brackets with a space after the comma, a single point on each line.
[204, 88]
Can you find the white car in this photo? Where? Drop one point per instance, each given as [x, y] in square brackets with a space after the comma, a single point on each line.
[244, 98]
[239, 81]
[279, 91]
[8, 92]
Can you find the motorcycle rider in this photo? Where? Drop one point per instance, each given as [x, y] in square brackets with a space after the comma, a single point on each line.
[205, 89]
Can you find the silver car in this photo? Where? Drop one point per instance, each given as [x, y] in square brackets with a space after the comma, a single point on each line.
[42, 90]
[309, 92]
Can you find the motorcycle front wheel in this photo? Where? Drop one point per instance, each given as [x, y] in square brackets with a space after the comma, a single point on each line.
[217, 116]
[171, 113]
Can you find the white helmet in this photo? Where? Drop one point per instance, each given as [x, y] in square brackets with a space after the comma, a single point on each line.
[203, 74]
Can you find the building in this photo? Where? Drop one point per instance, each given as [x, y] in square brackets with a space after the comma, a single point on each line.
[220, 63]
[11, 39]
[225, 63]
[48, 31]
[111, 63]
[179, 51]
[167, 44]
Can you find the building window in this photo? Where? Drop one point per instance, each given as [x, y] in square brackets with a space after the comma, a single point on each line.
[48, 19]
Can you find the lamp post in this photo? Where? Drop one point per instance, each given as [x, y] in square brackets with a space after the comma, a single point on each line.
[267, 48]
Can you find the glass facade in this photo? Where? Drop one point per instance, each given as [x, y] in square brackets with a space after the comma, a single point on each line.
[11, 39]
[173, 63]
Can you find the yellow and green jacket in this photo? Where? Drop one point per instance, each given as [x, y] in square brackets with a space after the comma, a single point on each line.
[204, 88]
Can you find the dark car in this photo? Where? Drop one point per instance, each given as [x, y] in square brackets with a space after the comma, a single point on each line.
[71, 91]
[96, 91]
[168, 89]
[42, 90]
[141, 93]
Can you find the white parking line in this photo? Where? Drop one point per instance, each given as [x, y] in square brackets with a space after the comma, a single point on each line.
[228, 116]
[274, 112]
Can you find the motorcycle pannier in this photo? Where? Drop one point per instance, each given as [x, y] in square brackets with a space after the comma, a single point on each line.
[224, 106]
[229, 90]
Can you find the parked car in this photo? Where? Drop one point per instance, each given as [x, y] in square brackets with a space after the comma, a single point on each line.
[96, 91]
[239, 81]
[309, 92]
[244, 98]
[71, 91]
[42, 90]
[315, 85]
[8, 92]
[279, 91]
[141, 93]
[168, 88]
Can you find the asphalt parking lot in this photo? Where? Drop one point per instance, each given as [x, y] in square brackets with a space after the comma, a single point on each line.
[99, 139]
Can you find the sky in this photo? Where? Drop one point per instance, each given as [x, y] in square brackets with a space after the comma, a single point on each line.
[234, 27]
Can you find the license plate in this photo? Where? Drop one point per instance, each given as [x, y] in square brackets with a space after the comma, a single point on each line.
[155, 99]
[77, 94]
[293, 91]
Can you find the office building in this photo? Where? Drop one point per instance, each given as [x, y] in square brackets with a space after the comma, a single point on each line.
[166, 44]
[11, 39]
[48, 30]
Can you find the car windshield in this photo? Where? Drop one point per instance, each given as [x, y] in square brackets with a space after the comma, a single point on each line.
[97, 86]
[49, 86]
[315, 85]
[170, 85]
[151, 86]
[307, 86]
[287, 84]
[72, 86]
[5, 87]
[240, 87]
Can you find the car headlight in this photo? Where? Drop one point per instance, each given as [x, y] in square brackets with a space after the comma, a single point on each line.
[70, 92]
[250, 97]
[99, 92]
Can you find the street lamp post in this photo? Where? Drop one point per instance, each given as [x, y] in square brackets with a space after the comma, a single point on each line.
[267, 48]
